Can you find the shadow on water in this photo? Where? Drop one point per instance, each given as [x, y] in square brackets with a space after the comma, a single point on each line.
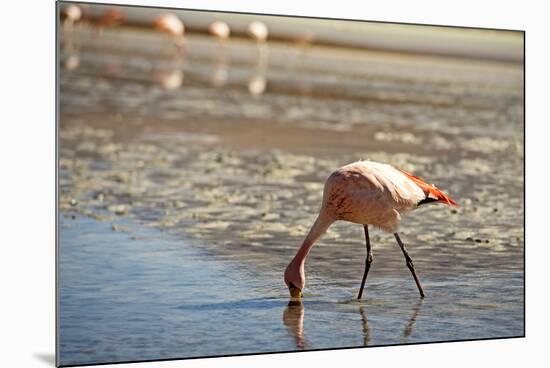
[293, 319]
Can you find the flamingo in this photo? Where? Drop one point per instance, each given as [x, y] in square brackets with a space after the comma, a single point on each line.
[73, 14]
[109, 18]
[258, 30]
[220, 30]
[303, 42]
[257, 84]
[171, 24]
[367, 193]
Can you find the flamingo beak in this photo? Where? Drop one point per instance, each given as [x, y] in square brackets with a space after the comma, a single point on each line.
[295, 292]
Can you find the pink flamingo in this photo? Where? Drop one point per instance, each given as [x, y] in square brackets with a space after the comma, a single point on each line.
[259, 31]
[172, 24]
[367, 193]
[220, 30]
[73, 14]
[109, 18]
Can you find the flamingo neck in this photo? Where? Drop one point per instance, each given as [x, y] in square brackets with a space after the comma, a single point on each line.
[320, 226]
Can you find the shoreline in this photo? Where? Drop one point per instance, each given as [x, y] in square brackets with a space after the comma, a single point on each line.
[437, 40]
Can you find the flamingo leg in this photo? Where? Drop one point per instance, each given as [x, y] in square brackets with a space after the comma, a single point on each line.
[368, 261]
[409, 264]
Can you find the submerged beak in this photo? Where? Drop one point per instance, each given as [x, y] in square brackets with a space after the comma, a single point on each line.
[295, 292]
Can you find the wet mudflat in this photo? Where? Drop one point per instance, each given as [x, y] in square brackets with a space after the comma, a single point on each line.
[186, 187]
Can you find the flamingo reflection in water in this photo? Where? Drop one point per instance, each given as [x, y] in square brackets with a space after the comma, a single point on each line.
[293, 319]
[409, 327]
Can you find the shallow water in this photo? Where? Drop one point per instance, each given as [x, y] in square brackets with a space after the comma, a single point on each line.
[143, 295]
[184, 193]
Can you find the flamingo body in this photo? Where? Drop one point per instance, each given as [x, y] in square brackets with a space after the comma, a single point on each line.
[111, 18]
[372, 193]
[170, 23]
[258, 30]
[73, 13]
[219, 29]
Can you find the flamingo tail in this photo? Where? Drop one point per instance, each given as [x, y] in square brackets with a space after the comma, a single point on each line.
[433, 194]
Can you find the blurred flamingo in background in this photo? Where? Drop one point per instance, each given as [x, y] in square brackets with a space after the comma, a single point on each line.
[304, 39]
[303, 42]
[220, 30]
[367, 193]
[111, 17]
[257, 84]
[73, 14]
[258, 30]
[172, 24]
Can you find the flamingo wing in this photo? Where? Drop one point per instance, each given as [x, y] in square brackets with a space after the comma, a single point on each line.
[372, 187]
[433, 194]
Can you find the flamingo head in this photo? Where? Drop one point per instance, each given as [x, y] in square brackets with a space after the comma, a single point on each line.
[295, 279]
[295, 292]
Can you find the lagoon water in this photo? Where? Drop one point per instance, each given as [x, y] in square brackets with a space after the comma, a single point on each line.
[145, 295]
[185, 189]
